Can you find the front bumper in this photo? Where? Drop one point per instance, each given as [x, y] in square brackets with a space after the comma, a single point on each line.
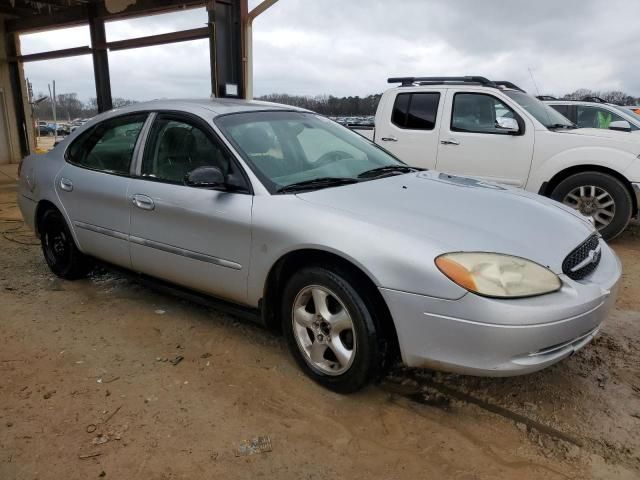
[482, 336]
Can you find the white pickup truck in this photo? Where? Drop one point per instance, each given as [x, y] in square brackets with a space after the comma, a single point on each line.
[497, 132]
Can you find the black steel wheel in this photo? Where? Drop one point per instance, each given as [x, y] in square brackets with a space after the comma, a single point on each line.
[59, 249]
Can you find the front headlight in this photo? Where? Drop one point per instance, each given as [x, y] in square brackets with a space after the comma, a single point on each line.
[497, 275]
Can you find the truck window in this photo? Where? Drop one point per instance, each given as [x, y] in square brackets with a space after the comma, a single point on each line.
[561, 109]
[416, 111]
[477, 113]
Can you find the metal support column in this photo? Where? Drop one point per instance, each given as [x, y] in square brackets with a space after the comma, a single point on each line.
[100, 60]
[213, 63]
[225, 47]
[18, 92]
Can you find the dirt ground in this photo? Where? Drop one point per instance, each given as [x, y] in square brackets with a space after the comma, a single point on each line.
[88, 390]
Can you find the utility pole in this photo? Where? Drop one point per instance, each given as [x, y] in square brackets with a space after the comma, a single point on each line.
[53, 107]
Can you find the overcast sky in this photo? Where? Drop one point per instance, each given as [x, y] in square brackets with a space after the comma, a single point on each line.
[350, 47]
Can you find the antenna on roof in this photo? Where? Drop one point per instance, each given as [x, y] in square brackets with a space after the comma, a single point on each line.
[534, 81]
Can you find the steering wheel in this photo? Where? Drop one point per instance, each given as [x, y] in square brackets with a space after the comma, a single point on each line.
[330, 157]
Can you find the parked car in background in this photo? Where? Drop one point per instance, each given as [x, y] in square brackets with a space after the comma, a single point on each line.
[311, 228]
[476, 127]
[635, 109]
[592, 113]
[44, 130]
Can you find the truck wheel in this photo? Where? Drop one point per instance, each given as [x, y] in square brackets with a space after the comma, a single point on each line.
[60, 251]
[330, 329]
[600, 196]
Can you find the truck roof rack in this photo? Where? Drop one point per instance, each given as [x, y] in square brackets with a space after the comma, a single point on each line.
[594, 99]
[467, 79]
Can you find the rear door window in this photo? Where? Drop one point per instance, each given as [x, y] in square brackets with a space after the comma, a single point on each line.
[108, 146]
[416, 111]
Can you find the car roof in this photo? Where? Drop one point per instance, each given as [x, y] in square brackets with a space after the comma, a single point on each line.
[218, 106]
[581, 102]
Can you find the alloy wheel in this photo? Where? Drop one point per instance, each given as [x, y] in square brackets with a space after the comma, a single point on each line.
[324, 330]
[594, 202]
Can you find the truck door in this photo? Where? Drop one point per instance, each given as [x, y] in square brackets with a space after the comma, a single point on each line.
[412, 133]
[482, 136]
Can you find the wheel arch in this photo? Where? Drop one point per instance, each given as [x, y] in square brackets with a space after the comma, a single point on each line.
[42, 207]
[294, 260]
[547, 187]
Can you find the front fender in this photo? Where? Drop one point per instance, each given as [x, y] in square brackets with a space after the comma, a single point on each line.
[283, 224]
[604, 157]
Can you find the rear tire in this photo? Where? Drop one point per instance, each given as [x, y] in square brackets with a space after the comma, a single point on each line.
[59, 249]
[330, 329]
[600, 196]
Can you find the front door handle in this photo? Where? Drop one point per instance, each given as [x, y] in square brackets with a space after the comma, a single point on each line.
[142, 201]
[450, 141]
[66, 184]
[389, 139]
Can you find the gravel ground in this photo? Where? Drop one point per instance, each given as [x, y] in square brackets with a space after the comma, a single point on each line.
[88, 388]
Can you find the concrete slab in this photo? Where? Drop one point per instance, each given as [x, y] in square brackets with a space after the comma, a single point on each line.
[9, 173]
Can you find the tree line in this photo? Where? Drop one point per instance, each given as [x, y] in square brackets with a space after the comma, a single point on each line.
[69, 106]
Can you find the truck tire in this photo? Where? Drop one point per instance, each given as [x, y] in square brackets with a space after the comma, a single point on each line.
[600, 196]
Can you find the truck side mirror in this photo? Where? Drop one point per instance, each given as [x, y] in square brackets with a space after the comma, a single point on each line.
[509, 125]
[620, 125]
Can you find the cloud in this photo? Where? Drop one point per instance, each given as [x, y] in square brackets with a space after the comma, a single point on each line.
[350, 47]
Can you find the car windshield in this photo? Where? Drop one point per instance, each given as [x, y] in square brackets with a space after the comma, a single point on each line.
[286, 148]
[542, 112]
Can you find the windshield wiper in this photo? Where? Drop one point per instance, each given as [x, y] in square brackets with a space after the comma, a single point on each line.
[322, 182]
[562, 125]
[388, 169]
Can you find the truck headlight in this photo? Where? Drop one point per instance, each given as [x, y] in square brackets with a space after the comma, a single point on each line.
[497, 275]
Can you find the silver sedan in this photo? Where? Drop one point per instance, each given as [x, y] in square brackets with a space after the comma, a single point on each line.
[310, 228]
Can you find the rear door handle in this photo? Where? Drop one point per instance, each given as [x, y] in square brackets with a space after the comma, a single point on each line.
[142, 201]
[450, 141]
[66, 184]
[389, 139]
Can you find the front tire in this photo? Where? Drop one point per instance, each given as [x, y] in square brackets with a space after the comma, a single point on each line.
[599, 196]
[59, 249]
[330, 329]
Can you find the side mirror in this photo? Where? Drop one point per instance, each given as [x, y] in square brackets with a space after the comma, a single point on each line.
[205, 177]
[620, 125]
[509, 125]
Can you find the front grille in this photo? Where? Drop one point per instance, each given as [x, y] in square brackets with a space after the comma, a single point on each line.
[587, 250]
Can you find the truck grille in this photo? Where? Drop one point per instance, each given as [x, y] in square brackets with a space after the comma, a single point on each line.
[583, 260]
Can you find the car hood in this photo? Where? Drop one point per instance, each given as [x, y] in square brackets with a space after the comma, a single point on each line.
[604, 133]
[461, 214]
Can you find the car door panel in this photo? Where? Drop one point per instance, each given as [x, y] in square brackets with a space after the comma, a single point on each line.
[93, 185]
[194, 237]
[476, 151]
[99, 212]
[199, 238]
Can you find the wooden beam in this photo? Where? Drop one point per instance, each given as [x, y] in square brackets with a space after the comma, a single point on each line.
[50, 55]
